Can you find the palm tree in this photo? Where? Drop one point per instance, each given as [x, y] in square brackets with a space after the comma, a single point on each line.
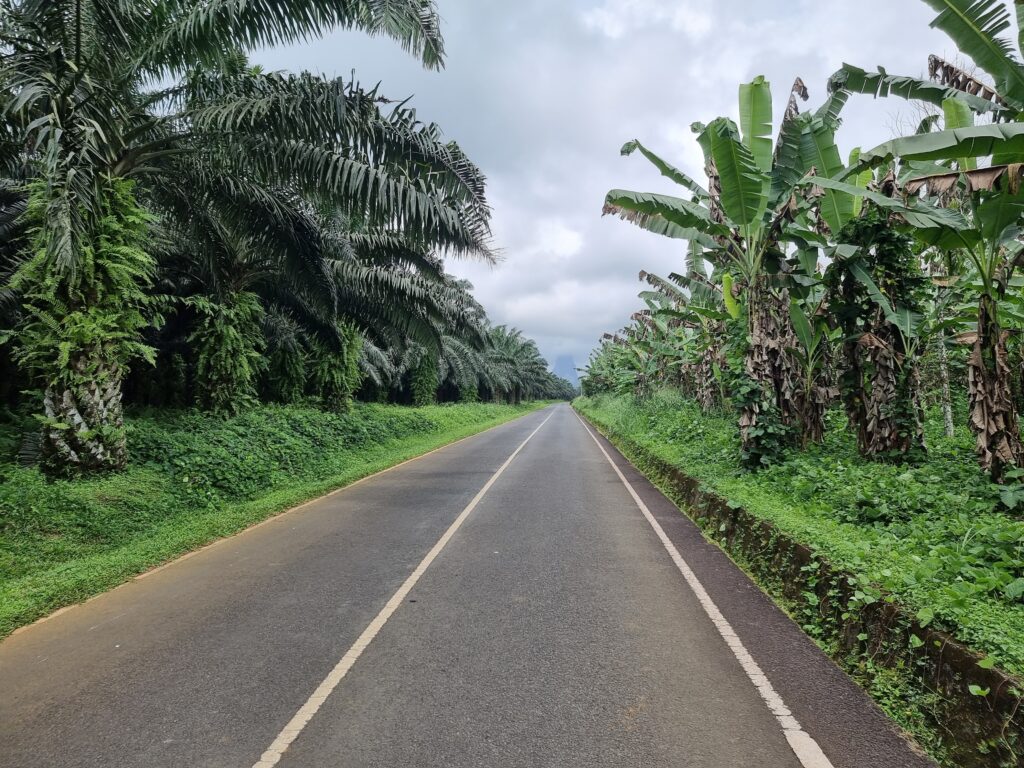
[237, 159]
[518, 371]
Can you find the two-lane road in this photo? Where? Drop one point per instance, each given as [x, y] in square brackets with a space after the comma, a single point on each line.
[511, 600]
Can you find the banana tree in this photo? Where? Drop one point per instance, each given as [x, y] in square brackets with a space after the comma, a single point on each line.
[695, 307]
[815, 337]
[987, 229]
[976, 28]
[990, 196]
[758, 204]
[876, 294]
[992, 243]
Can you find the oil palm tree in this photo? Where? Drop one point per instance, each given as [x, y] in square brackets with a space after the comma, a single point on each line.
[179, 113]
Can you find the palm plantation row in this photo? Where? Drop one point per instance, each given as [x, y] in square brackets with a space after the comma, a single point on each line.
[887, 283]
[179, 226]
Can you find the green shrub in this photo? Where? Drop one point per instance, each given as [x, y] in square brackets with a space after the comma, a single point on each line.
[191, 478]
[424, 381]
[931, 532]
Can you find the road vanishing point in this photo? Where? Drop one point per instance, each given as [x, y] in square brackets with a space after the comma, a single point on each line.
[521, 598]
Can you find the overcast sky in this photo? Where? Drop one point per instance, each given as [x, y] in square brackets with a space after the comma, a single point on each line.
[543, 93]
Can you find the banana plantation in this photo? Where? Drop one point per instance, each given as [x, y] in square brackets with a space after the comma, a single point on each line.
[885, 284]
[180, 228]
[832, 380]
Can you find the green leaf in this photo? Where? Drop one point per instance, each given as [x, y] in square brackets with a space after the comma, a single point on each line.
[881, 84]
[917, 213]
[755, 100]
[652, 211]
[818, 149]
[957, 114]
[987, 663]
[727, 296]
[1015, 589]
[788, 166]
[667, 170]
[801, 326]
[915, 641]
[213, 30]
[744, 186]
[907, 321]
[858, 271]
[708, 312]
[977, 690]
[925, 616]
[997, 212]
[976, 141]
[975, 26]
[861, 180]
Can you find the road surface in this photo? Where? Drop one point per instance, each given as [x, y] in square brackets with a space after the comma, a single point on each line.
[510, 600]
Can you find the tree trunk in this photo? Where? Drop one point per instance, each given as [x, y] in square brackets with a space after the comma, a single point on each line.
[706, 385]
[947, 400]
[813, 405]
[993, 416]
[894, 419]
[852, 387]
[85, 424]
[775, 407]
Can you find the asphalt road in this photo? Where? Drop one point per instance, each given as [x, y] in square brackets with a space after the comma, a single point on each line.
[416, 621]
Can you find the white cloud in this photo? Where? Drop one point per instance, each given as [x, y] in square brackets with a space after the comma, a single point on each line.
[554, 238]
[617, 18]
[542, 95]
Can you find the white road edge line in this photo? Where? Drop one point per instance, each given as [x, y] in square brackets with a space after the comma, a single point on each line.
[803, 745]
[277, 517]
[291, 731]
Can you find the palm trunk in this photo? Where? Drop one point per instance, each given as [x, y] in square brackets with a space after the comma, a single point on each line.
[894, 423]
[85, 424]
[814, 402]
[852, 387]
[993, 417]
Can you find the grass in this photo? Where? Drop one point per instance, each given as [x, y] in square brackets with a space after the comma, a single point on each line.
[934, 533]
[193, 479]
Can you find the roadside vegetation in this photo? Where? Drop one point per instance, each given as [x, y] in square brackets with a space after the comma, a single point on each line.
[179, 227]
[209, 271]
[841, 352]
[192, 479]
[932, 533]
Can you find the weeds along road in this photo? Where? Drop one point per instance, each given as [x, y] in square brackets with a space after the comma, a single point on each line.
[510, 600]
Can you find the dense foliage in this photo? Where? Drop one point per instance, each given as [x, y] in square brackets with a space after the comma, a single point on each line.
[882, 283]
[932, 533]
[178, 226]
[854, 332]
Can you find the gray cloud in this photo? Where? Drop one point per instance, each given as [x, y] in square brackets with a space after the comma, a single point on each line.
[542, 94]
